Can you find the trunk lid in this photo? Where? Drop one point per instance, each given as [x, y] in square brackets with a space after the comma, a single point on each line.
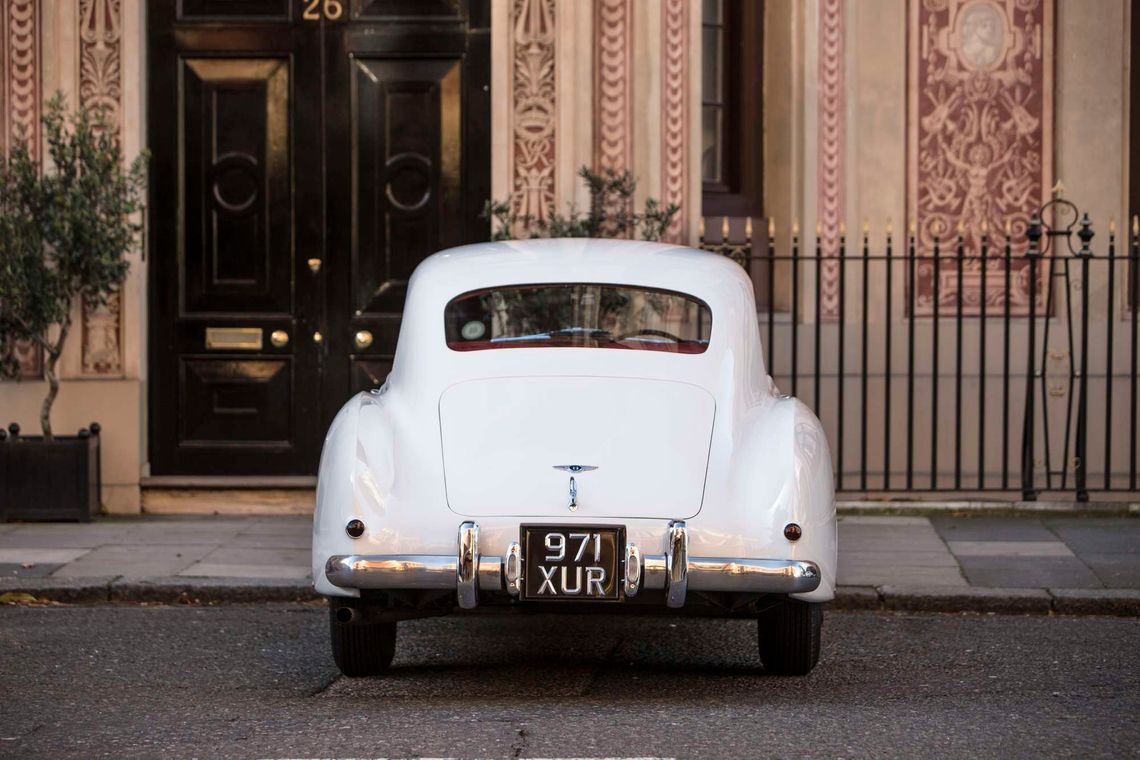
[504, 437]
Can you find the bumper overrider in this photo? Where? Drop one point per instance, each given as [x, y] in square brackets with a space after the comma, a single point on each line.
[469, 572]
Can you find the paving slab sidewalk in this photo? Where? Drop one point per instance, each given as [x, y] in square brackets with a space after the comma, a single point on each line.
[1025, 564]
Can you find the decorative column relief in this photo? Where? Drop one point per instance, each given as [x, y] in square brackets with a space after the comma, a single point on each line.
[20, 103]
[980, 139]
[613, 51]
[675, 93]
[100, 88]
[534, 110]
[832, 129]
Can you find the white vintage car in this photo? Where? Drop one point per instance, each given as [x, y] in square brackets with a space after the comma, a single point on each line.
[576, 425]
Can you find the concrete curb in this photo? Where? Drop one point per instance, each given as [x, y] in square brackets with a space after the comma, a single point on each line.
[211, 591]
[161, 590]
[1018, 601]
[987, 508]
[1006, 601]
[63, 590]
[1096, 601]
[856, 598]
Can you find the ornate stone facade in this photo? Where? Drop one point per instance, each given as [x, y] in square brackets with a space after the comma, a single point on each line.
[100, 88]
[534, 107]
[675, 101]
[980, 137]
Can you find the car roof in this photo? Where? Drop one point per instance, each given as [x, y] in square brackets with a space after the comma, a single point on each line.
[424, 365]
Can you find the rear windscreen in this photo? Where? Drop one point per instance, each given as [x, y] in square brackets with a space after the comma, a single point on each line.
[578, 315]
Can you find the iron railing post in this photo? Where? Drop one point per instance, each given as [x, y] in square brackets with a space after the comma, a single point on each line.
[1028, 454]
[1085, 234]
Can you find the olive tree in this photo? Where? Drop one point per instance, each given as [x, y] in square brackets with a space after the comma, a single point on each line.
[64, 235]
[610, 214]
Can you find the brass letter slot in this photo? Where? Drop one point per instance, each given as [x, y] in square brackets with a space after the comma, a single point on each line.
[233, 338]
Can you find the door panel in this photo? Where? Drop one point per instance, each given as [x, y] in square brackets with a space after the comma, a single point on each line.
[405, 121]
[213, 10]
[219, 394]
[235, 177]
[397, 9]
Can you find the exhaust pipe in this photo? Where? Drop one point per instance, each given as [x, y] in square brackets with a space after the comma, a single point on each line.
[347, 615]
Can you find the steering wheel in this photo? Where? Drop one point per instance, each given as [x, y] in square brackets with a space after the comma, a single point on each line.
[655, 333]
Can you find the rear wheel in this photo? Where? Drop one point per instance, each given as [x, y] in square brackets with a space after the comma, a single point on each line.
[361, 649]
[789, 634]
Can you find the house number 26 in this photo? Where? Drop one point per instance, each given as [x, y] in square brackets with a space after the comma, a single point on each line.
[330, 9]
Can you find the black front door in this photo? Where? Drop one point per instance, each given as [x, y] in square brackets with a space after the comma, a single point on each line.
[306, 156]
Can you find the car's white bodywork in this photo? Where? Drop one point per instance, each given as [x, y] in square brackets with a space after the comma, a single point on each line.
[474, 435]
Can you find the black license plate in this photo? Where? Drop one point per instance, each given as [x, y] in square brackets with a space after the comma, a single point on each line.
[572, 564]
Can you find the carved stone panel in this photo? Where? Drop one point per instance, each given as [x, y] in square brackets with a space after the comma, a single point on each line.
[675, 94]
[101, 89]
[980, 139]
[20, 98]
[534, 107]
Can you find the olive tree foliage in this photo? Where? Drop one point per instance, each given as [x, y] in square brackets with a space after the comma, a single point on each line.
[610, 213]
[64, 235]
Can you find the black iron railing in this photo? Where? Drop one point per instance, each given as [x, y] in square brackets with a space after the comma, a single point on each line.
[970, 362]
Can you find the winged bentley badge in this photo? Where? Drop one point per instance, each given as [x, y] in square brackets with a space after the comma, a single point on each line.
[575, 468]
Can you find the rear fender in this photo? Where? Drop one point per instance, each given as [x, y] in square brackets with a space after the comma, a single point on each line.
[782, 474]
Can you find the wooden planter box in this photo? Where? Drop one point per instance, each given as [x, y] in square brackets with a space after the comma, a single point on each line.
[56, 480]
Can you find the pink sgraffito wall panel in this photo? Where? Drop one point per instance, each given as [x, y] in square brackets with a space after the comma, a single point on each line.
[675, 94]
[613, 71]
[980, 142]
[20, 99]
[534, 110]
[830, 201]
[100, 89]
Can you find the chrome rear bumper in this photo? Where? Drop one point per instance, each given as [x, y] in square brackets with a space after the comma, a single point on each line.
[468, 572]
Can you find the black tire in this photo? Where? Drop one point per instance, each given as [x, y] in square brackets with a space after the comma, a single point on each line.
[362, 649]
[789, 634]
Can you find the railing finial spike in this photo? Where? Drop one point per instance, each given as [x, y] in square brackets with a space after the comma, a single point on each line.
[1058, 189]
[890, 227]
[724, 228]
[795, 227]
[748, 229]
[866, 228]
[701, 229]
[842, 228]
[1112, 225]
[1136, 224]
[819, 229]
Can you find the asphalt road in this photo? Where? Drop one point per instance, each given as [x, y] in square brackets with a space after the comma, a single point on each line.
[251, 682]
